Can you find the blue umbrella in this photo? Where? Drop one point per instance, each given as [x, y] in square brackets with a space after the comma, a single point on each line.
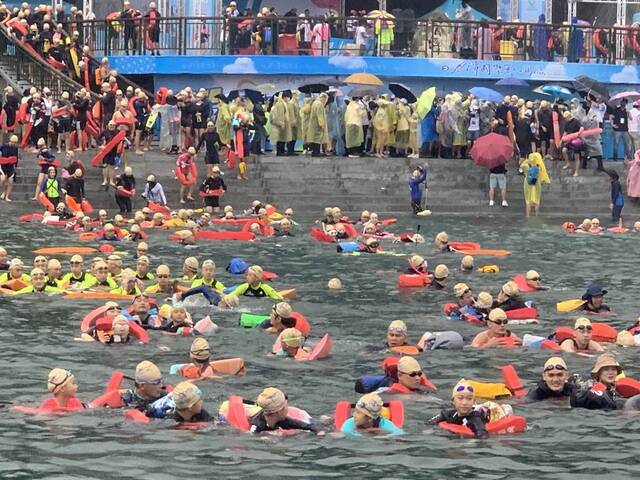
[557, 91]
[484, 93]
[512, 82]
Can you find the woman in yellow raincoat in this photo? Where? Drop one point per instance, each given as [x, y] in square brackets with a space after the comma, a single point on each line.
[305, 112]
[354, 134]
[280, 125]
[535, 174]
[223, 121]
[317, 124]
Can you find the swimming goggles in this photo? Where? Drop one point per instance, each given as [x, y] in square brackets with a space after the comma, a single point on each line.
[67, 376]
[401, 331]
[462, 388]
[500, 322]
[536, 279]
[153, 382]
[371, 406]
[554, 367]
[412, 374]
[582, 328]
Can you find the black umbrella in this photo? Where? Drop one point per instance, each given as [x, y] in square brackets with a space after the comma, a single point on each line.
[591, 87]
[313, 88]
[401, 91]
[253, 95]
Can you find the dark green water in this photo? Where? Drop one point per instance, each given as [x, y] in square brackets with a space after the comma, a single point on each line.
[38, 334]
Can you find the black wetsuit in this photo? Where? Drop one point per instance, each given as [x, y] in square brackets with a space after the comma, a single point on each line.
[588, 308]
[259, 424]
[587, 398]
[475, 420]
[203, 416]
[541, 391]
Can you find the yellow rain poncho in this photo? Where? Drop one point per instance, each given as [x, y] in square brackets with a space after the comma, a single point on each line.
[293, 108]
[305, 112]
[318, 121]
[223, 123]
[354, 135]
[533, 193]
[403, 113]
[280, 125]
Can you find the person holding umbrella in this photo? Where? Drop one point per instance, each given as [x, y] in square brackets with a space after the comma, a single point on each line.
[493, 151]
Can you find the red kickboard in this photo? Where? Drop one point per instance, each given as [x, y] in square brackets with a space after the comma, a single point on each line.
[506, 425]
[465, 245]
[236, 416]
[410, 280]
[522, 313]
[319, 235]
[111, 144]
[628, 387]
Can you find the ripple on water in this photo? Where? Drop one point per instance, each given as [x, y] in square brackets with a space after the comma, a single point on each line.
[38, 334]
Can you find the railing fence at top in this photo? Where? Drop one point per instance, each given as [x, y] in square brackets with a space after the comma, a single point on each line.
[392, 37]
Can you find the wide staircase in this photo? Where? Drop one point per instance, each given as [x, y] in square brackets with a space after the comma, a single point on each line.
[456, 187]
[22, 69]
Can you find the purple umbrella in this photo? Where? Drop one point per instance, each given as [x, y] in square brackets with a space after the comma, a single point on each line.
[631, 95]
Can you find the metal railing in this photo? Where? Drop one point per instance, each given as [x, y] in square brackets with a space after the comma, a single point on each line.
[336, 36]
[23, 66]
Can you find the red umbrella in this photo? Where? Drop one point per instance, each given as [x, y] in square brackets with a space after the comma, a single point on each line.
[492, 150]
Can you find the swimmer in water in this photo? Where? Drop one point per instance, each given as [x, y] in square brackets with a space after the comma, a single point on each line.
[599, 392]
[408, 379]
[142, 313]
[440, 277]
[273, 414]
[147, 387]
[464, 412]
[200, 356]
[594, 300]
[417, 264]
[15, 272]
[279, 319]
[62, 384]
[396, 334]
[554, 383]
[165, 285]
[114, 263]
[142, 269]
[367, 416]
[189, 406]
[582, 342]
[442, 242]
[370, 245]
[128, 284]
[77, 278]
[496, 333]
[190, 268]
[54, 273]
[292, 343]
[208, 277]
[534, 280]
[179, 320]
[38, 284]
[255, 287]
[466, 265]
[109, 331]
[102, 282]
[508, 297]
